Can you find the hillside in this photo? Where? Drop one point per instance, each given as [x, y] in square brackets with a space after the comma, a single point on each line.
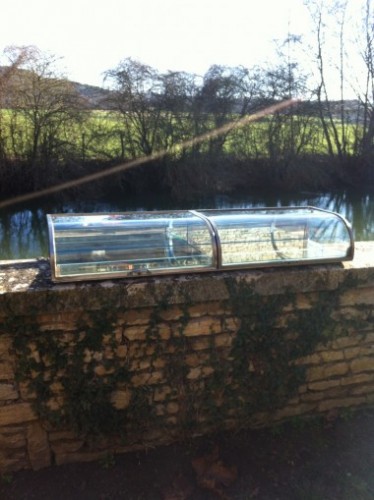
[93, 97]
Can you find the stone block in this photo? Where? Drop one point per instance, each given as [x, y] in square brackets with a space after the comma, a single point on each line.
[26, 392]
[173, 420]
[357, 296]
[330, 356]
[194, 373]
[16, 414]
[121, 398]
[12, 441]
[135, 316]
[5, 347]
[101, 370]
[140, 350]
[57, 387]
[37, 446]
[293, 411]
[173, 313]
[55, 403]
[162, 331]
[305, 301]
[340, 403]
[196, 359]
[365, 364]
[70, 446]
[158, 363]
[342, 342]
[161, 393]
[210, 308]
[336, 369]
[350, 313]
[207, 370]
[324, 385]
[362, 390]
[367, 350]
[160, 410]
[57, 318]
[312, 396]
[87, 355]
[172, 408]
[324, 372]
[6, 371]
[361, 378]
[223, 340]
[333, 392]
[147, 378]
[14, 463]
[135, 332]
[351, 352]
[55, 326]
[8, 392]
[140, 364]
[369, 338]
[97, 356]
[122, 351]
[202, 326]
[312, 359]
[201, 344]
[230, 324]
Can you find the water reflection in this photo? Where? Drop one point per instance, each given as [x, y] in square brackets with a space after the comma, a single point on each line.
[23, 234]
[23, 229]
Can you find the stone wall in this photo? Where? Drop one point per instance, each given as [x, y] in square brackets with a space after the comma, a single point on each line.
[94, 368]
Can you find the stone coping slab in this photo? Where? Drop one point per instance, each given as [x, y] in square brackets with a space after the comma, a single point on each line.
[33, 277]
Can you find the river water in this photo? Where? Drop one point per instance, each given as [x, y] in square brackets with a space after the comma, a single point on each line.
[23, 228]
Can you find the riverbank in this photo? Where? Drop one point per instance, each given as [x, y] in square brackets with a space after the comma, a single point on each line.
[184, 178]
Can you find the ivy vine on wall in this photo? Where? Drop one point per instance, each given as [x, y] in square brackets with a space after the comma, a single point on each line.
[71, 376]
[69, 379]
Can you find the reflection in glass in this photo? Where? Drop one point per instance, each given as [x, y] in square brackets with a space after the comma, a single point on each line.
[129, 244]
[280, 235]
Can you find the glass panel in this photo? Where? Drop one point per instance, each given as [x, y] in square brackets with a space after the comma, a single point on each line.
[280, 235]
[94, 246]
[89, 246]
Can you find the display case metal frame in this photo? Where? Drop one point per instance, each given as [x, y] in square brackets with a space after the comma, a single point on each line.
[208, 217]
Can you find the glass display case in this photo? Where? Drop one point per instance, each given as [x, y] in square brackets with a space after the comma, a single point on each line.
[99, 246]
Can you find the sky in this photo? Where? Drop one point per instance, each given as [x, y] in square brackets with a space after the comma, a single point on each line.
[186, 35]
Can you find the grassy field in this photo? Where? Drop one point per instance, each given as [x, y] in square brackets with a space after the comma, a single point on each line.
[100, 135]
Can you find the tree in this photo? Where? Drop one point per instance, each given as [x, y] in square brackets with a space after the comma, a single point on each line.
[224, 98]
[177, 96]
[135, 97]
[365, 138]
[7, 72]
[335, 133]
[44, 108]
[290, 132]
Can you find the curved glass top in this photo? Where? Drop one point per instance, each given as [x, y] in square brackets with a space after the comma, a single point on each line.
[98, 246]
[94, 246]
[275, 236]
